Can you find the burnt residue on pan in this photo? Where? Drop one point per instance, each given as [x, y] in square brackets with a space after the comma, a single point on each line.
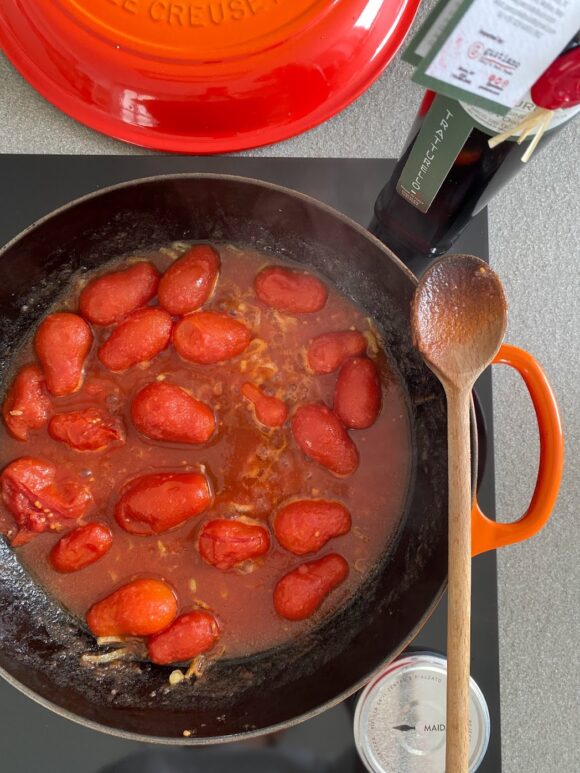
[41, 644]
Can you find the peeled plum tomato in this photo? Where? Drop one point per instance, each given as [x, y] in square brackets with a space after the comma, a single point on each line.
[306, 525]
[108, 299]
[140, 337]
[207, 337]
[225, 543]
[62, 343]
[186, 638]
[188, 283]
[327, 352]
[357, 397]
[322, 437]
[300, 592]
[91, 429]
[81, 547]
[164, 411]
[39, 499]
[155, 503]
[139, 608]
[27, 404]
[270, 411]
[287, 290]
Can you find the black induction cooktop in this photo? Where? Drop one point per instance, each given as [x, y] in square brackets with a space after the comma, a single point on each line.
[34, 739]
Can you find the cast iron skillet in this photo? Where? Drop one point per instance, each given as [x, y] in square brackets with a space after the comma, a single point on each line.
[41, 644]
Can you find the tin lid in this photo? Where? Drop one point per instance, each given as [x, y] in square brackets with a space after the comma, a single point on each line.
[202, 76]
[399, 723]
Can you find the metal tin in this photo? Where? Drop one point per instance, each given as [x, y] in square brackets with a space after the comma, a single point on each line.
[399, 723]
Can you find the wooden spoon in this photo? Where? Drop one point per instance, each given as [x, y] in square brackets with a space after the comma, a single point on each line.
[458, 319]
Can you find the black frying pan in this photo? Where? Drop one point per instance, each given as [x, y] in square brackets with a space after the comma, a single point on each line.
[41, 644]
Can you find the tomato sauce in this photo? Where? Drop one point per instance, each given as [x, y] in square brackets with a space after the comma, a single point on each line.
[253, 469]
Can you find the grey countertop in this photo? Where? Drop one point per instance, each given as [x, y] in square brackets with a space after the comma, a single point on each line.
[534, 246]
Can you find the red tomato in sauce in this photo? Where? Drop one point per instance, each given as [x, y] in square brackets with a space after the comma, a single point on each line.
[139, 608]
[357, 397]
[62, 342]
[139, 338]
[327, 352]
[300, 593]
[27, 405]
[186, 638]
[81, 547]
[321, 436]
[155, 503]
[270, 411]
[306, 525]
[163, 411]
[285, 289]
[41, 500]
[207, 337]
[187, 284]
[91, 429]
[108, 299]
[225, 543]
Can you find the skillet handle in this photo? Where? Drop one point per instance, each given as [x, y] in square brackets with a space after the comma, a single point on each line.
[487, 534]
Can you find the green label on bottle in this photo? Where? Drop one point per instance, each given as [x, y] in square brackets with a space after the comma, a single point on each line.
[442, 135]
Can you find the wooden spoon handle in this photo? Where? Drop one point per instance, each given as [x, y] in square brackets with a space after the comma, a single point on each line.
[459, 594]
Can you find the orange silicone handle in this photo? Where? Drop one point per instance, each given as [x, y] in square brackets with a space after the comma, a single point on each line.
[487, 534]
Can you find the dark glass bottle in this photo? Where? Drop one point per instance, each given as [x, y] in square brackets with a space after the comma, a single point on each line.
[474, 178]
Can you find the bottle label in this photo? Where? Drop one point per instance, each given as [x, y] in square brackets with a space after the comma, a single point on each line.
[439, 142]
[492, 51]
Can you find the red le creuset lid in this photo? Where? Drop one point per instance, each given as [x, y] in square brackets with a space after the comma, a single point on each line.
[202, 76]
